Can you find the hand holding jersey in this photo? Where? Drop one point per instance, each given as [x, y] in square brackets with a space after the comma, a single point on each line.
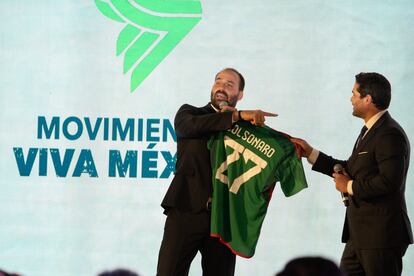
[377, 230]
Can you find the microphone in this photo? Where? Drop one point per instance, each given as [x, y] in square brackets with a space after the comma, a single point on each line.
[223, 104]
[345, 198]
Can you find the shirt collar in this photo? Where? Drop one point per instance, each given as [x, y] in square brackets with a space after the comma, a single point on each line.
[374, 119]
[214, 107]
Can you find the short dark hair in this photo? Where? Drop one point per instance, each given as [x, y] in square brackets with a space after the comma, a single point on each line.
[119, 272]
[241, 83]
[377, 86]
[310, 266]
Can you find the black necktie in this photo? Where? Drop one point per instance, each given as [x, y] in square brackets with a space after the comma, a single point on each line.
[361, 134]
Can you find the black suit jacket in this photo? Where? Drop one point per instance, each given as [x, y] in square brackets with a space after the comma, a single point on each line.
[192, 184]
[377, 214]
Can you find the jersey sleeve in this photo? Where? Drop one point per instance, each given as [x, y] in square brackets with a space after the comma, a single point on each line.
[291, 175]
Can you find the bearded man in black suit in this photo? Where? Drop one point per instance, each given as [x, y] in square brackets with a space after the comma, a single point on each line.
[377, 230]
[187, 201]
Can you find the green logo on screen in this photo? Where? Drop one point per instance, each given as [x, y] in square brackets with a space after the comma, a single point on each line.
[153, 28]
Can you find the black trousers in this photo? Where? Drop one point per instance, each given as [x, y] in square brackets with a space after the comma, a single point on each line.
[184, 235]
[372, 262]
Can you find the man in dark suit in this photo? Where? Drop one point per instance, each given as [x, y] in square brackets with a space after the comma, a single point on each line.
[187, 201]
[377, 230]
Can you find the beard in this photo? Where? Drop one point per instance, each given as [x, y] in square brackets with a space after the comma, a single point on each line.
[357, 113]
[216, 100]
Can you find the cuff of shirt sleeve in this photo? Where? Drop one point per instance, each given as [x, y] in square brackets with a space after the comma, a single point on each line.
[313, 156]
[349, 187]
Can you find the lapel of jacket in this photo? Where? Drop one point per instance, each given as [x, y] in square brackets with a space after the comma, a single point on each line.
[363, 144]
[207, 109]
[371, 132]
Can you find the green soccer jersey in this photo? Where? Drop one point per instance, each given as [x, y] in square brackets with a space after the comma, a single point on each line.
[247, 161]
